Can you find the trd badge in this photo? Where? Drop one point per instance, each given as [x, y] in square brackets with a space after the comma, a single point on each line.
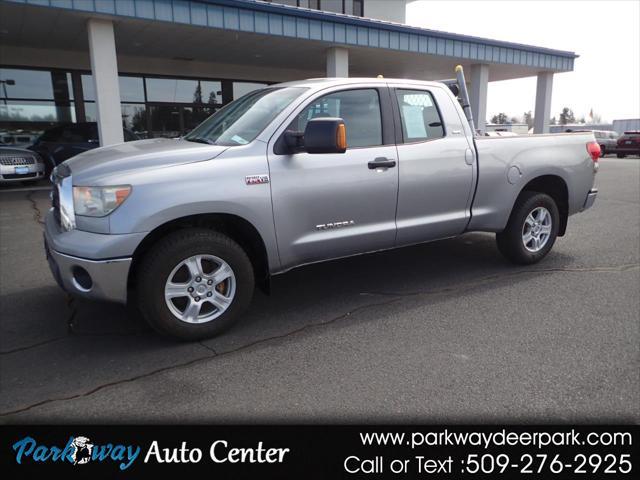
[256, 179]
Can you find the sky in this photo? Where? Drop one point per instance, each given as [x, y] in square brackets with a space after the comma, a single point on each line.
[606, 35]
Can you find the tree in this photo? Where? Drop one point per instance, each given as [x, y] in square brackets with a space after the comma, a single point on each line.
[197, 95]
[499, 119]
[528, 119]
[553, 121]
[212, 98]
[567, 116]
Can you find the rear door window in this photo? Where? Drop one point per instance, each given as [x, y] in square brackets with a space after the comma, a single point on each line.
[421, 120]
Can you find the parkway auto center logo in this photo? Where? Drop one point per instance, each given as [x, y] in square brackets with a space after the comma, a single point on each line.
[78, 450]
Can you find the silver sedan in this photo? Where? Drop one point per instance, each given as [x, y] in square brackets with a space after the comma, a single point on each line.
[20, 165]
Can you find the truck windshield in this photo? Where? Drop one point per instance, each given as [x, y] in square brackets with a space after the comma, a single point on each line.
[242, 120]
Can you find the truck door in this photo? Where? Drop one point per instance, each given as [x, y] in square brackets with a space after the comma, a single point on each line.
[333, 205]
[437, 166]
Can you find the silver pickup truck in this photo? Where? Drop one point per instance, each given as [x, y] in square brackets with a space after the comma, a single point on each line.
[297, 173]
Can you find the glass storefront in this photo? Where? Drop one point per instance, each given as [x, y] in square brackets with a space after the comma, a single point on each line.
[33, 100]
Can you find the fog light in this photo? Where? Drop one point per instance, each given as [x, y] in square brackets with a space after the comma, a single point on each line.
[81, 279]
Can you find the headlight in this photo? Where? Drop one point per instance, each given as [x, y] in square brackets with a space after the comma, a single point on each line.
[99, 201]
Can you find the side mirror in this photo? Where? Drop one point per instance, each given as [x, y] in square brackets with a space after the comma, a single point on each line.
[325, 135]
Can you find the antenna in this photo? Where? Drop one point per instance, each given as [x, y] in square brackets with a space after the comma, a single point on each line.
[464, 97]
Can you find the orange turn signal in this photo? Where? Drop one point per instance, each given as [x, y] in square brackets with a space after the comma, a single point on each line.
[341, 137]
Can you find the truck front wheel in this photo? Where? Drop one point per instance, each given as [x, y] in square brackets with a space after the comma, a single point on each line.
[194, 284]
[532, 229]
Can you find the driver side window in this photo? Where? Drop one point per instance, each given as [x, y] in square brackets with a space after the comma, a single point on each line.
[360, 110]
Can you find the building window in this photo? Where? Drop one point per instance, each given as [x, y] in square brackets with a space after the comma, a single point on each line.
[336, 6]
[358, 8]
[240, 89]
[32, 100]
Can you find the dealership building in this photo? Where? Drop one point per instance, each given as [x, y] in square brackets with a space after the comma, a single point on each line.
[159, 67]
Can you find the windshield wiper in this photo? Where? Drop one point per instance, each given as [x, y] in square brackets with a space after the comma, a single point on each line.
[200, 140]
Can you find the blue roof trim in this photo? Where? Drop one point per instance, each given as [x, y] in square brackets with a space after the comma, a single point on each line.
[332, 28]
[369, 22]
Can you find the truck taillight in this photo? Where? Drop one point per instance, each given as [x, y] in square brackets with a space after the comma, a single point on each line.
[594, 151]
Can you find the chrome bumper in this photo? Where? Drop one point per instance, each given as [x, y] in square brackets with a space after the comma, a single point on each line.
[591, 197]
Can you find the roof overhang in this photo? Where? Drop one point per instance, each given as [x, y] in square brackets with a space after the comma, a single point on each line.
[268, 35]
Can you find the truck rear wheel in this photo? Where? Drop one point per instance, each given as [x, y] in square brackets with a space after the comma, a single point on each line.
[532, 229]
[194, 284]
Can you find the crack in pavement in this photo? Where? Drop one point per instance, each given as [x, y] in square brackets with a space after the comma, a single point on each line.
[396, 297]
[190, 362]
[37, 215]
[211, 349]
[479, 281]
[72, 330]
[33, 345]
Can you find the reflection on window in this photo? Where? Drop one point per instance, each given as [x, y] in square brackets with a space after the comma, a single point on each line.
[35, 111]
[332, 6]
[165, 121]
[242, 88]
[360, 110]
[211, 93]
[358, 8]
[183, 91]
[90, 112]
[131, 88]
[420, 118]
[88, 92]
[18, 83]
[134, 117]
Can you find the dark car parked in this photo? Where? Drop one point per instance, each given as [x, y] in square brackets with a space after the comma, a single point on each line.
[628, 144]
[65, 141]
[606, 138]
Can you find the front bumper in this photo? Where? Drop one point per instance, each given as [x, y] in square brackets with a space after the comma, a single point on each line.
[95, 279]
[104, 278]
[591, 198]
[33, 172]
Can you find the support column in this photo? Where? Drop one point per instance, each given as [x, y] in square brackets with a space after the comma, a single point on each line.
[337, 62]
[104, 67]
[478, 94]
[543, 102]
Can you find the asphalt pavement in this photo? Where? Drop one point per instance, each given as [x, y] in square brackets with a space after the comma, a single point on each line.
[443, 332]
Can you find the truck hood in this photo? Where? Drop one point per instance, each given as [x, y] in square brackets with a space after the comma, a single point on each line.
[95, 166]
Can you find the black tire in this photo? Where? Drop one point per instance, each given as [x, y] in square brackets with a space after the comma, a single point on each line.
[510, 241]
[603, 151]
[620, 155]
[164, 256]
